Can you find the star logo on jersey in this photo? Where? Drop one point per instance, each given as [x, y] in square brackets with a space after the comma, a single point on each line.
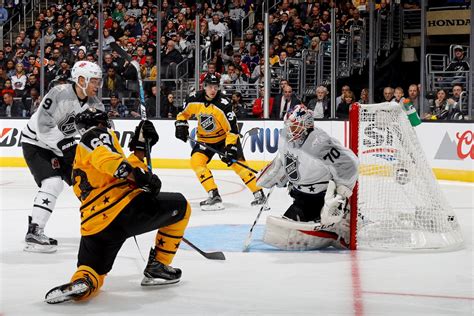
[291, 167]
[46, 201]
[67, 126]
[207, 122]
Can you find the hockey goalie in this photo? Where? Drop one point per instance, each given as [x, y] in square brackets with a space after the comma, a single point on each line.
[320, 174]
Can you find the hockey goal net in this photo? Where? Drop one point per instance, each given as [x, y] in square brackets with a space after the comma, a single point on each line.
[397, 203]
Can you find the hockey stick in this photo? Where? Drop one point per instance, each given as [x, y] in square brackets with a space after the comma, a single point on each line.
[249, 237]
[135, 64]
[221, 154]
[218, 255]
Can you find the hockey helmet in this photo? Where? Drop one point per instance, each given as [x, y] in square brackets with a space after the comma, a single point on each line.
[211, 79]
[90, 118]
[88, 70]
[298, 124]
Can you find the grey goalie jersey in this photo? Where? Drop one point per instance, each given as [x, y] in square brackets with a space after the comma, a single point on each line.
[54, 119]
[321, 158]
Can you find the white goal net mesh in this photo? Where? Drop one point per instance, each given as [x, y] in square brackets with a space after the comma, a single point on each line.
[400, 204]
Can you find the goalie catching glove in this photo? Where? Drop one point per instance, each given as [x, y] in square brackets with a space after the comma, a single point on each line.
[145, 131]
[182, 130]
[230, 154]
[334, 203]
[273, 174]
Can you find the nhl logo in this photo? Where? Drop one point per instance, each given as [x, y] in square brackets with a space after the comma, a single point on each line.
[291, 167]
[207, 122]
[67, 126]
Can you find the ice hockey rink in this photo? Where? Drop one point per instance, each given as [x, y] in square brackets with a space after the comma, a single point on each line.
[263, 281]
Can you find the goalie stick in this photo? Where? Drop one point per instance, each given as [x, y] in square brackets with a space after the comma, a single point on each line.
[209, 255]
[220, 153]
[249, 237]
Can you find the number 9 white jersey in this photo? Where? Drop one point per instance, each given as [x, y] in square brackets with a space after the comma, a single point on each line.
[54, 119]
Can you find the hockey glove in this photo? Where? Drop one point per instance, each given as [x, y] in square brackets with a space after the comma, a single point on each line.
[68, 148]
[333, 208]
[145, 131]
[182, 130]
[230, 154]
[147, 181]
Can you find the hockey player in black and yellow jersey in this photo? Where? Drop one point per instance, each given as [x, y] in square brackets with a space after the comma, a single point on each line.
[119, 199]
[217, 127]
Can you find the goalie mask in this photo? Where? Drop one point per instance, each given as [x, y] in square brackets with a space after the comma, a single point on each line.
[91, 117]
[298, 124]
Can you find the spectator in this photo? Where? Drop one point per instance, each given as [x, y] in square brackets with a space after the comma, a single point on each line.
[148, 69]
[252, 59]
[388, 94]
[217, 31]
[107, 40]
[10, 108]
[211, 69]
[63, 70]
[3, 78]
[345, 88]
[3, 60]
[113, 83]
[439, 107]
[364, 96]
[3, 15]
[150, 105]
[458, 103]
[284, 103]
[398, 95]
[8, 88]
[19, 80]
[10, 68]
[413, 96]
[31, 83]
[238, 106]
[116, 109]
[168, 109]
[237, 60]
[132, 28]
[342, 110]
[459, 65]
[257, 107]
[232, 79]
[320, 105]
[50, 72]
[236, 14]
[169, 59]
[116, 31]
[49, 37]
[31, 102]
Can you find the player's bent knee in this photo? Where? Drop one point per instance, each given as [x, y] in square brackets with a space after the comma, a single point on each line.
[95, 280]
[53, 186]
[287, 234]
[198, 161]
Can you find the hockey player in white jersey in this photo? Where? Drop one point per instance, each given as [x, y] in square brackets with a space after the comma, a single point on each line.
[321, 174]
[49, 146]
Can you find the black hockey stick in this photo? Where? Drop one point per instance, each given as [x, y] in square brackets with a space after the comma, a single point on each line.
[218, 255]
[209, 255]
[220, 153]
[135, 64]
[249, 237]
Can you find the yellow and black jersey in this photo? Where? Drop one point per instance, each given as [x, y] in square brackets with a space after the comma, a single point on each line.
[216, 120]
[102, 195]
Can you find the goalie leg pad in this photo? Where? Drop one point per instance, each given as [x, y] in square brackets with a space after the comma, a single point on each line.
[287, 234]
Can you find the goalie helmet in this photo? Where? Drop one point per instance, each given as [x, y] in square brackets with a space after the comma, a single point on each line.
[298, 124]
[88, 70]
[91, 117]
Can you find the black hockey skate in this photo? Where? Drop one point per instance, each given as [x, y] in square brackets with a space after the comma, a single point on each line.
[37, 241]
[157, 273]
[213, 202]
[69, 291]
[259, 198]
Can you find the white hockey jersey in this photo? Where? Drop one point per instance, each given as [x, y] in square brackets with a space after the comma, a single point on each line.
[54, 119]
[321, 158]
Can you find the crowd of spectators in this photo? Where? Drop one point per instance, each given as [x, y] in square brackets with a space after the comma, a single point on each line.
[70, 30]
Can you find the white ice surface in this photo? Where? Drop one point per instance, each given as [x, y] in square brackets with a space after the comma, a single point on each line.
[255, 283]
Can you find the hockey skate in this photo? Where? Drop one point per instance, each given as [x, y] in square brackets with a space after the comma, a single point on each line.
[213, 202]
[69, 291]
[259, 199]
[37, 241]
[157, 273]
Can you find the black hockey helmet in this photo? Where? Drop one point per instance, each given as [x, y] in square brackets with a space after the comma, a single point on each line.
[90, 118]
[211, 79]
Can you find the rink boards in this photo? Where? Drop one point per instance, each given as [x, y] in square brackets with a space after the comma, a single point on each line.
[449, 147]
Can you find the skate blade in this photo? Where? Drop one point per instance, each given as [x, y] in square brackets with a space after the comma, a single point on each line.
[157, 282]
[31, 247]
[215, 207]
[56, 295]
